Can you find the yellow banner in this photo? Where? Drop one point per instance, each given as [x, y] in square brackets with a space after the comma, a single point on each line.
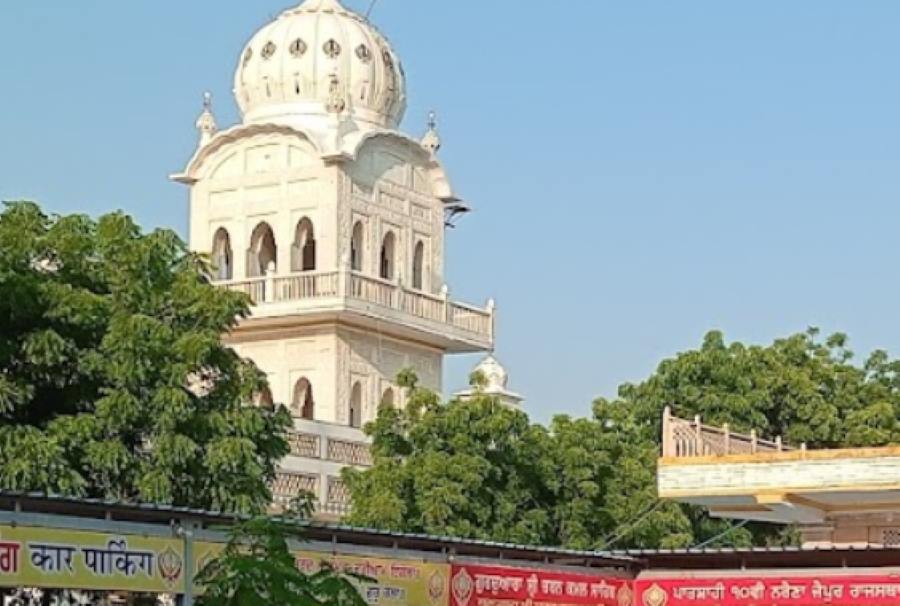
[53, 558]
[397, 582]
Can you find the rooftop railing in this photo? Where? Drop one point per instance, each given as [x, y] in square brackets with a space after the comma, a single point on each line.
[690, 439]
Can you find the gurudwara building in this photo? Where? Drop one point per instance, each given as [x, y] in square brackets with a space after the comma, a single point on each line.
[844, 498]
[332, 220]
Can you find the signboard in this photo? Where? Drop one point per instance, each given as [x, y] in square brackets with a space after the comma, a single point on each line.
[398, 582]
[858, 590]
[503, 586]
[52, 558]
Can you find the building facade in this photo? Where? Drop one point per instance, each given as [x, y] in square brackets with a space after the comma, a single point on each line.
[332, 221]
[845, 498]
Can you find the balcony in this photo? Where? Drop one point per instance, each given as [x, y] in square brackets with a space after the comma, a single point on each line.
[742, 476]
[371, 303]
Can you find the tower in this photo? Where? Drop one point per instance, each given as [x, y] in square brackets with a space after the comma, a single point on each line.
[332, 221]
[494, 382]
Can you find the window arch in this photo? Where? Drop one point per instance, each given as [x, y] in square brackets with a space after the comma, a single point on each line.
[388, 256]
[356, 247]
[355, 419]
[263, 251]
[222, 256]
[303, 405]
[303, 253]
[265, 400]
[419, 266]
[387, 398]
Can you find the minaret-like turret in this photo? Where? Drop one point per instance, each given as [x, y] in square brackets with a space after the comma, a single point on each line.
[332, 221]
[206, 122]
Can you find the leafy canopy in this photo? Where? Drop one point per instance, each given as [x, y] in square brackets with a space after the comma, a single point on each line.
[479, 470]
[257, 568]
[114, 382]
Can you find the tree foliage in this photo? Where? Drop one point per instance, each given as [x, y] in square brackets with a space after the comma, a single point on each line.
[480, 470]
[257, 568]
[114, 382]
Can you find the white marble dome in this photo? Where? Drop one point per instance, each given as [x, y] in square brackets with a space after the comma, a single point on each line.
[316, 61]
[495, 375]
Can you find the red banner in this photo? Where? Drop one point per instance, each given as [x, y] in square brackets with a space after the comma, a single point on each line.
[502, 586]
[857, 590]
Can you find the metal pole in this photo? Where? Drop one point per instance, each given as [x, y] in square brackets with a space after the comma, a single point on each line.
[187, 598]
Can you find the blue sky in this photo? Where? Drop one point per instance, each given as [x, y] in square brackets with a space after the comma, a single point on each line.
[642, 171]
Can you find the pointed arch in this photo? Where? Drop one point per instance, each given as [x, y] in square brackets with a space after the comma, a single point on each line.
[263, 251]
[388, 260]
[357, 241]
[303, 252]
[356, 403]
[265, 400]
[303, 405]
[222, 255]
[419, 266]
[388, 398]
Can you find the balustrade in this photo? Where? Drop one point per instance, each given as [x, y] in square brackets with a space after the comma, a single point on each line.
[323, 285]
[288, 486]
[305, 445]
[350, 453]
[338, 498]
[687, 439]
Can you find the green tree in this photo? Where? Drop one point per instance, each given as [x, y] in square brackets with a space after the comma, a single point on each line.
[114, 381]
[257, 568]
[472, 469]
[800, 387]
[591, 483]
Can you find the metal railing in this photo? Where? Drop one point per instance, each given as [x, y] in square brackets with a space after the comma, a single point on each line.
[690, 439]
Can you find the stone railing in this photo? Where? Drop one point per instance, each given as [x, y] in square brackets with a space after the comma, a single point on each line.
[690, 439]
[337, 502]
[289, 485]
[437, 308]
[329, 442]
[313, 286]
[305, 445]
[349, 453]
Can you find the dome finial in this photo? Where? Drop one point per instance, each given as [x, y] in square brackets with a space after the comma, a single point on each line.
[432, 140]
[206, 123]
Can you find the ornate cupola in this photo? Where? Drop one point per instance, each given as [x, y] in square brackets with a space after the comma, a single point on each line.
[316, 62]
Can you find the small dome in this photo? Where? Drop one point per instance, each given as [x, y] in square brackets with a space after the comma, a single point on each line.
[496, 376]
[496, 380]
[317, 60]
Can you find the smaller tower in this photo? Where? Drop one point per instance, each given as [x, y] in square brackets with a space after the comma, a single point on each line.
[496, 382]
[432, 140]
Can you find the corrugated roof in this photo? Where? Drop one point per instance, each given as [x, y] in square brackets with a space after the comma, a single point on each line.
[162, 513]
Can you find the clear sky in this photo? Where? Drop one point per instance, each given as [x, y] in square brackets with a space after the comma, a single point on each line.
[642, 171]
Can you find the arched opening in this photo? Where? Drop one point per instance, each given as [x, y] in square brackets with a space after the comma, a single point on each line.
[356, 247]
[265, 400]
[304, 405]
[303, 253]
[419, 266]
[222, 256]
[388, 256]
[387, 398]
[356, 406]
[263, 251]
